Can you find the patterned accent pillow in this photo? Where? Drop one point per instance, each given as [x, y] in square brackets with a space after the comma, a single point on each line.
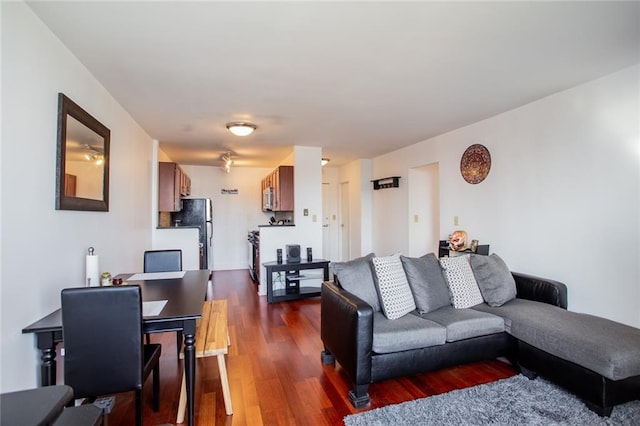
[395, 294]
[462, 284]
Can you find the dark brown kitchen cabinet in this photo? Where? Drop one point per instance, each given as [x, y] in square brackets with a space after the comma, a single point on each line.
[185, 184]
[283, 188]
[173, 183]
[281, 183]
[70, 185]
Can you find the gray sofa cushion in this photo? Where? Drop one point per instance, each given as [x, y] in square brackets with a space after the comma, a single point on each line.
[506, 311]
[465, 323]
[405, 333]
[494, 279]
[356, 276]
[427, 283]
[607, 347]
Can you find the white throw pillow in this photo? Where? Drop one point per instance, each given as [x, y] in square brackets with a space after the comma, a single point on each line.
[462, 284]
[395, 294]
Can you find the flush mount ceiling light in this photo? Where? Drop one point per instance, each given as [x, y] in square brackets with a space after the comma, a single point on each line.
[241, 128]
[324, 161]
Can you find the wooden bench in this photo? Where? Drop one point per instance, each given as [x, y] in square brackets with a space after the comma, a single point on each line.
[212, 339]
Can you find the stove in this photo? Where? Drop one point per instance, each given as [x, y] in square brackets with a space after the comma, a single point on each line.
[253, 239]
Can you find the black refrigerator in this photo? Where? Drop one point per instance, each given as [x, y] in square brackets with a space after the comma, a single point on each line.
[198, 213]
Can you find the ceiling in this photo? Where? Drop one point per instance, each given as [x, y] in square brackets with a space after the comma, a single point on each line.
[358, 79]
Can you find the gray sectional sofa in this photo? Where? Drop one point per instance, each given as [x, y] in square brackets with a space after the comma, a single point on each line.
[373, 330]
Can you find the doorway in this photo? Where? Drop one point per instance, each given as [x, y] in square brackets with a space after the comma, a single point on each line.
[345, 217]
[330, 231]
[424, 209]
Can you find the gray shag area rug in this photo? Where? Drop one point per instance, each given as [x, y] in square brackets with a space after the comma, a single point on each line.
[513, 401]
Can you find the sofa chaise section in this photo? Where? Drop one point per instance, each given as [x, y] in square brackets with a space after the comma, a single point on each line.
[595, 358]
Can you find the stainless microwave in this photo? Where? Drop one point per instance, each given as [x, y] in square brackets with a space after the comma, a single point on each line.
[267, 199]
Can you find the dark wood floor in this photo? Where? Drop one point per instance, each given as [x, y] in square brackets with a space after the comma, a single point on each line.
[275, 373]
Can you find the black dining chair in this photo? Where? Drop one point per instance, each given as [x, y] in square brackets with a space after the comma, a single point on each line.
[104, 353]
[169, 260]
[163, 260]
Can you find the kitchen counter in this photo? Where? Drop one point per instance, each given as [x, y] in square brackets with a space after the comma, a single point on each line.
[177, 227]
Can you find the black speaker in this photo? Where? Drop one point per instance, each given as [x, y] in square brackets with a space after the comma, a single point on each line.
[279, 254]
[309, 254]
[293, 253]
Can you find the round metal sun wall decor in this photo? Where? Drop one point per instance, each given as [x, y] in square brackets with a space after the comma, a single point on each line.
[475, 163]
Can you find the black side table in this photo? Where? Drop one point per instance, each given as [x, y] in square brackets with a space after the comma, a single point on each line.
[443, 249]
[292, 275]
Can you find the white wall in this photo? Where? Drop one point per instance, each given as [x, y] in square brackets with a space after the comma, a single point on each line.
[43, 249]
[308, 196]
[562, 197]
[185, 239]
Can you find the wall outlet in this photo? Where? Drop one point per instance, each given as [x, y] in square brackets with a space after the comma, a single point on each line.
[314, 218]
[415, 218]
[456, 222]
[305, 212]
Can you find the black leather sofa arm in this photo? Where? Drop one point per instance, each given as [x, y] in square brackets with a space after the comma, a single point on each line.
[346, 330]
[540, 289]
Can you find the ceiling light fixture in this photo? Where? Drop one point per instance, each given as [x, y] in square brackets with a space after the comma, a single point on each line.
[228, 162]
[241, 128]
[324, 161]
[94, 154]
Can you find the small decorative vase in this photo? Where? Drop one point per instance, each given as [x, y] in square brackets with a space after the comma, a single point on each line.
[105, 278]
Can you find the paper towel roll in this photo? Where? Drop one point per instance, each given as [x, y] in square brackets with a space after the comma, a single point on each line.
[92, 276]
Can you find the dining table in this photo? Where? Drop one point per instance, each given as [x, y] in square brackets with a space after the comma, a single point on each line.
[172, 301]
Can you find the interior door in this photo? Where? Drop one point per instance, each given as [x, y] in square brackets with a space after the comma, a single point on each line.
[326, 222]
[345, 246]
[424, 208]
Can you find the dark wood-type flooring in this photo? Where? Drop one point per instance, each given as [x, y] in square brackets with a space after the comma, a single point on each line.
[275, 373]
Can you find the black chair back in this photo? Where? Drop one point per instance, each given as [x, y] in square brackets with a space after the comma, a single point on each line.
[163, 260]
[102, 332]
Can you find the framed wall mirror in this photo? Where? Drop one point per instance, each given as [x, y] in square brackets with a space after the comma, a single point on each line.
[82, 169]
